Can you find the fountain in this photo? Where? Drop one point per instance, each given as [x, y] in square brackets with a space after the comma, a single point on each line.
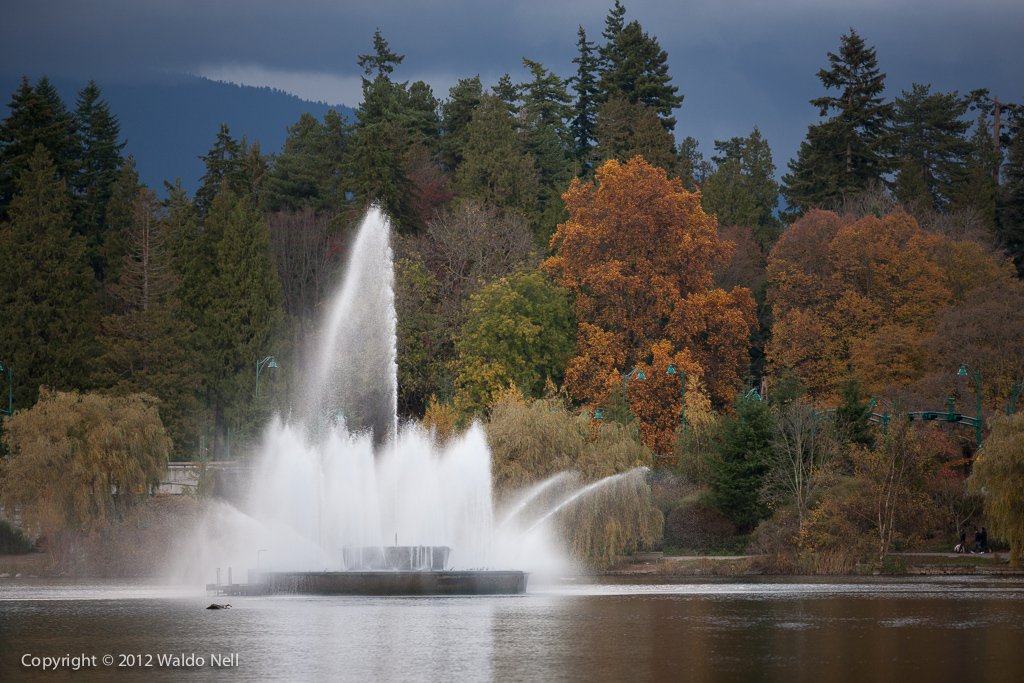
[344, 501]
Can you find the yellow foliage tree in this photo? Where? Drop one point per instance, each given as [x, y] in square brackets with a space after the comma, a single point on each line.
[998, 476]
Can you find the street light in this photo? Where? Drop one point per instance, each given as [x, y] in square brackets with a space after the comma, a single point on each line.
[672, 370]
[635, 373]
[269, 362]
[598, 414]
[965, 371]
[10, 389]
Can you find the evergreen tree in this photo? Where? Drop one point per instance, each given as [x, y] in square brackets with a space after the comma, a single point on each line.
[311, 169]
[1010, 230]
[979, 189]
[743, 191]
[509, 93]
[842, 155]
[929, 146]
[690, 164]
[740, 463]
[387, 126]
[584, 113]
[635, 66]
[456, 113]
[46, 287]
[613, 25]
[546, 108]
[100, 147]
[119, 214]
[625, 129]
[148, 346]
[496, 169]
[223, 168]
[37, 117]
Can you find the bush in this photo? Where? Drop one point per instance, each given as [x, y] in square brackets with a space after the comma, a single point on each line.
[13, 541]
[698, 525]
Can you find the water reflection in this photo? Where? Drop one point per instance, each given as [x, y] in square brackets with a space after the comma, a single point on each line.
[704, 631]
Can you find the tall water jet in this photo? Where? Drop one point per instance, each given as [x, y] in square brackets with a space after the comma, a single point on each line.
[356, 373]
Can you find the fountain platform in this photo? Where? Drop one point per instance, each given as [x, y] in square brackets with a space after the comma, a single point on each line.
[417, 582]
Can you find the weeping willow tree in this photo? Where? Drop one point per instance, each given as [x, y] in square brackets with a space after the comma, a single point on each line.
[531, 441]
[998, 476]
[78, 461]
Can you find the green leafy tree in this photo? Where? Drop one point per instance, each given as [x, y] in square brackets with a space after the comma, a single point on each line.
[998, 475]
[844, 154]
[929, 146]
[519, 332]
[738, 468]
[46, 287]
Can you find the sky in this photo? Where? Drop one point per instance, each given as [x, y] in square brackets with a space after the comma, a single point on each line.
[738, 63]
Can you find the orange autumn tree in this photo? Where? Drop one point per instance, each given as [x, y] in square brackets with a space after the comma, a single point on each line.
[639, 254]
[862, 296]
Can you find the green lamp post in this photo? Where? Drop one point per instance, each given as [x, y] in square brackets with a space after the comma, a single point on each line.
[672, 370]
[966, 371]
[270, 363]
[6, 368]
[635, 373]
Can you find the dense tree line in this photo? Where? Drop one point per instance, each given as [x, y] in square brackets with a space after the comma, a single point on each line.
[558, 237]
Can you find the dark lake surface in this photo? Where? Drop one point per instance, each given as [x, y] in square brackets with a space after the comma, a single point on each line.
[772, 630]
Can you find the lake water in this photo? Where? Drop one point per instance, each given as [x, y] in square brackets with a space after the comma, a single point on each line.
[784, 630]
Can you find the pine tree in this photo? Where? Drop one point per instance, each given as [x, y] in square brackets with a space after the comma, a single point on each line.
[148, 345]
[223, 168]
[387, 126]
[635, 66]
[842, 155]
[743, 191]
[496, 169]
[929, 146]
[509, 93]
[546, 108]
[456, 113]
[1010, 230]
[119, 213]
[37, 117]
[100, 146]
[46, 286]
[979, 189]
[738, 469]
[584, 83]
[625, 129]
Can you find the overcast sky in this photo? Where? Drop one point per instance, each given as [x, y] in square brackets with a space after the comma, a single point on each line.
[739, 63]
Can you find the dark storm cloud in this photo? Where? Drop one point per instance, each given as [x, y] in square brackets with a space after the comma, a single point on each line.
[738, 63]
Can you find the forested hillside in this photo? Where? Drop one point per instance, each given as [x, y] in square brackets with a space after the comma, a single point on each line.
[820, 374]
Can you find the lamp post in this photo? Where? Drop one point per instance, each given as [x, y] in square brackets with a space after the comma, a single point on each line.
[270, 363]
[1011, 405]
[967, 371]
[635, 373]
[10, 389]
[672, 370]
